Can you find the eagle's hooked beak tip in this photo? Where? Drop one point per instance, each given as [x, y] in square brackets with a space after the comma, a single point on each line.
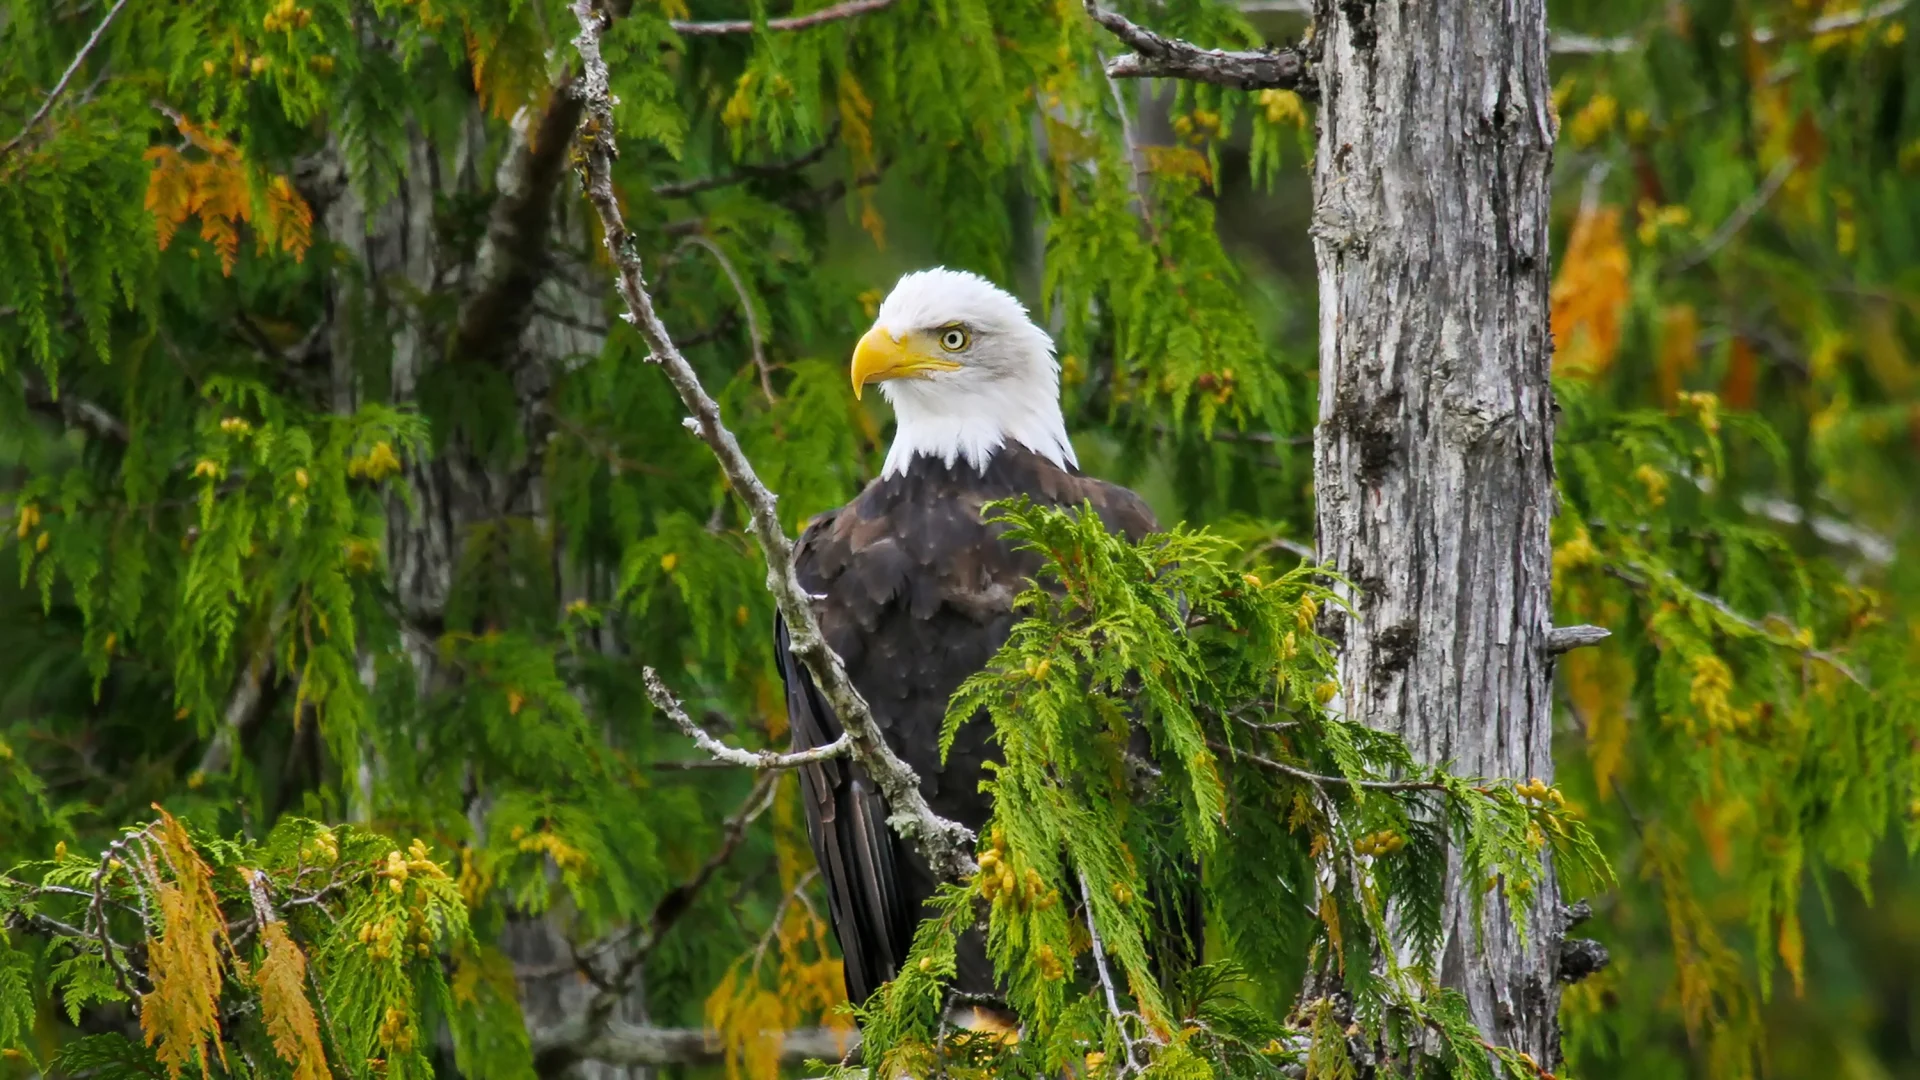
[878, 357]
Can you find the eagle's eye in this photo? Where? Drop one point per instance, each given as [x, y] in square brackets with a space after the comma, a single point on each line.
[954, 338]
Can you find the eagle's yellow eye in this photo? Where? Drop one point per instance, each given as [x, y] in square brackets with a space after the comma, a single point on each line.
[954, 338]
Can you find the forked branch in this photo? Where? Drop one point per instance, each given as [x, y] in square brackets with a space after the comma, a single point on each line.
[946, 845]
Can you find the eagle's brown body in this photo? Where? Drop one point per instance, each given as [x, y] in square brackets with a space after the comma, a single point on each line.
[916, 594]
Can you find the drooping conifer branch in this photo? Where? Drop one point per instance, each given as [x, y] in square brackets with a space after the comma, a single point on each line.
[1156, 56]
[837, 12]
[946, 845]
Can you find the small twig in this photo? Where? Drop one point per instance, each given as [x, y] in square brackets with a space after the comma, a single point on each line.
[66, 77]
[1320, 780]
[669, 909]
[946, 845]
[683, 188]
[664, 700]
[754, 338]
[1563, 639]
[97, 912]
[1739, 218]
[1155, 56]
[1106, 980]
[835, 13]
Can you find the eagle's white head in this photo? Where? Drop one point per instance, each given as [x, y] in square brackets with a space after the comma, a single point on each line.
[966, 370]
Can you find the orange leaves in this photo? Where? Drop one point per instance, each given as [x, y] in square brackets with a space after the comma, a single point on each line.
[217, 187]
[281, 978]
[181, 1013]
[753, 1017]
[1679, 347]
[1589, 294]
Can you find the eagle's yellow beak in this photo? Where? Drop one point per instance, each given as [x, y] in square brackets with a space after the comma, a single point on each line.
[879, 357]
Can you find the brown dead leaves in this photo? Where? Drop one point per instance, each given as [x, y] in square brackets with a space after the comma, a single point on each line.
[281, 979]
[180, 1016]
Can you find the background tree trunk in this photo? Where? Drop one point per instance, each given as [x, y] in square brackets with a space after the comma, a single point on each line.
[1433, 457]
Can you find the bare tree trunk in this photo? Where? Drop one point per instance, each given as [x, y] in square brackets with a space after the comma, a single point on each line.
[1433, 456]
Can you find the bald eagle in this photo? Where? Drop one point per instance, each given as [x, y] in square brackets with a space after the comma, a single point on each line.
[915, 592]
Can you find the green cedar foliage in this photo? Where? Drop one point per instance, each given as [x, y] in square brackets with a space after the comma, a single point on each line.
[1223, 672]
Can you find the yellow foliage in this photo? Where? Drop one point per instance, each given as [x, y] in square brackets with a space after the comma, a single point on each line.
[215, 188]
[752, 1016]
[1179, 161]
[1594, 119]
[378, 464]
[1283, 107]
[181, 1014]
[1589, 294]
[1712, 681]
[1596, 679]
[284, 1008]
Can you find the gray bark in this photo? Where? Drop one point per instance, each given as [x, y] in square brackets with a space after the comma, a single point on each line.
[1433, 457]
[397, 255]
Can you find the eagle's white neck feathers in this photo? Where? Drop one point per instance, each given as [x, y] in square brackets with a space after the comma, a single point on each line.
[1007, 388]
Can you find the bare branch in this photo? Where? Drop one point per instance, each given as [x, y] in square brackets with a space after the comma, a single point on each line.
[514, 257]
[945, 844]
[243, 707]
[66, 78]
[1155, 56]
[754, 337]
[634, 1045]
[76, 411]
[826, 15]
[664, 700]
[1739, 218]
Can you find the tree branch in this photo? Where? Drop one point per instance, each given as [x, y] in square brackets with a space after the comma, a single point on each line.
[835, 13]
[634, 1045]
[513, 258]
[66, 78]
[76, 411]
[1155, 56]
[946, 845]
[1319, 780]
[664, 700]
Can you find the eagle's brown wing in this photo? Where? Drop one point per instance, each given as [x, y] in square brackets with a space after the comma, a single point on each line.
[915, 594]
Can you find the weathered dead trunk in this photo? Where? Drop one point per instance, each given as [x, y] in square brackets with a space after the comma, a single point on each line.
[1433, 456]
